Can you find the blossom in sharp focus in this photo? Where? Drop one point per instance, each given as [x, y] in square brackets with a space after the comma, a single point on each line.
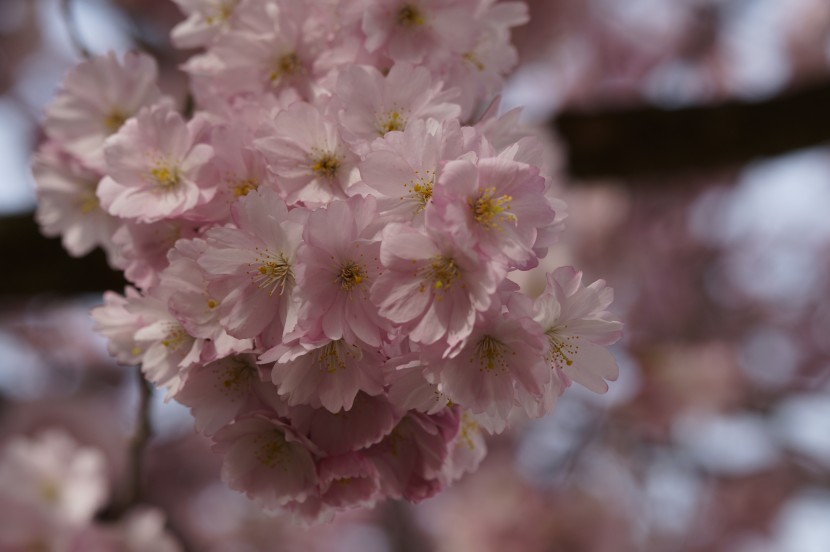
[155, 168]
[409, 31]
[337, 265]
[494, 205]
[251, 266]
[431, 287]
[504, 353]
[371, 104]
[304, 150]
[401, 169]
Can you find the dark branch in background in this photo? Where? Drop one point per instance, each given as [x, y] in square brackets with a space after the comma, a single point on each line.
[647, 142]
[72, 28]
[36, 265]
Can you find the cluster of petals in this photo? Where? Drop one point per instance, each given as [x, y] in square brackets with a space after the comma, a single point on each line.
[320, 254]
[52, 489]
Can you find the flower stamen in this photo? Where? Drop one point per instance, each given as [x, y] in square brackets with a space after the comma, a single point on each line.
[489, 211]
[351, 275]
[410, 16]
[274, 272]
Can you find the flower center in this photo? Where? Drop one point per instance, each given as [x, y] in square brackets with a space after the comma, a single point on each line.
[326, 165]
[392, 120]
[166, 177]
[49, 491]
[562, 349]
[329, 356]
[284, 66]
[221, 12]
[175, 338]
[490, 354]
[274, 272]
[89, 202]
[270, 451]
[410, 16]
[489, 211]
[237, 376]
[114, 120]
[420, 188]
[441, 274]
[471, 58]
[351, 274]
[242, 188]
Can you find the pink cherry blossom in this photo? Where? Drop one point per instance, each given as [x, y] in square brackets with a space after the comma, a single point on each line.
[348, 481]
[266, 460]
[432, 287]
[368, 421]
[410, 30]
[304, 150]
[411, 457]
[186, 285]
[51, 473]
[155, 168]
[118, 324]
[206, 20]
[373, 104]
[494, 205]
[272, 47]
[96, 98]
[579, 328]
[67, 205]
[402, 168]
[505, 352]
[325, 373]
[141, 249]
[337, 265]
[219, 391]
[251, 266]
[240, 169]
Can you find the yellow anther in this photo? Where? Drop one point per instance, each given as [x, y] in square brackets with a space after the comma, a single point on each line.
[114, 120]
[489, 211]
[274, 272]
[351, 274]
[166, 177]
[490, 354]
[326, 165]
[284, 66]
[410, 16]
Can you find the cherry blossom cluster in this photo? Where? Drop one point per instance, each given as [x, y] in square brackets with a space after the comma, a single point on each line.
[320, 253]
[51, 489]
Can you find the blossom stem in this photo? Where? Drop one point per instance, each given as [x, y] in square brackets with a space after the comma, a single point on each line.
[72, 29]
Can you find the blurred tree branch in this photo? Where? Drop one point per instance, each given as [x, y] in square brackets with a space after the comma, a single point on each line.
[40, 265]
[648, 142]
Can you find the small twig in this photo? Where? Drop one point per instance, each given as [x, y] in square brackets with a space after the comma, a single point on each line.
[72, 28]
[143, 432]
[131, 494]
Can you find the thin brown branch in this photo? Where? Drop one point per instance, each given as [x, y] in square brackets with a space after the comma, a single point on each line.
[72, 28]
[138, 443]
[131, 492]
